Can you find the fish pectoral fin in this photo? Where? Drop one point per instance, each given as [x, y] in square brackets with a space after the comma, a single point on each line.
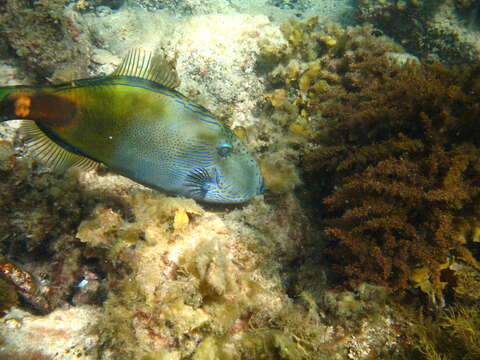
[143, 64]
[52, 154]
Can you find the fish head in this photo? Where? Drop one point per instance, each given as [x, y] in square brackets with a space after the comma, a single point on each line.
[224, 171]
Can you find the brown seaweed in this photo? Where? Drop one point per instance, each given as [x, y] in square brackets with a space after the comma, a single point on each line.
[400, 170]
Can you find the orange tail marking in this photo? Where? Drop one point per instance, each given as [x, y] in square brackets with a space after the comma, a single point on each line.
[22, 106]
[50, 109]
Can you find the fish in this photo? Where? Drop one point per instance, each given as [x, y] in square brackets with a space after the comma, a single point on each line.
[134, 122]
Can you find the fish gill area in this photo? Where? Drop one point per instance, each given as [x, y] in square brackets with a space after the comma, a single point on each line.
[366, 244]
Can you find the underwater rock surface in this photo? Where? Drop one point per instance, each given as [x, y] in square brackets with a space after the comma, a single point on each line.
[445, 31]
[95, 266]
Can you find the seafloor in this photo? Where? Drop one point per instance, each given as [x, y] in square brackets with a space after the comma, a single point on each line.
[364, 118]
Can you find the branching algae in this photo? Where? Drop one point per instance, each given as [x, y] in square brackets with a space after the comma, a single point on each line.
[402, 158]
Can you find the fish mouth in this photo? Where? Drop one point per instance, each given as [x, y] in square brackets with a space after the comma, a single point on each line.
[209, 185]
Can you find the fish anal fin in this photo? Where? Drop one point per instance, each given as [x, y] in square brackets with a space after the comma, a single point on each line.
[143, 64]
[49, 152]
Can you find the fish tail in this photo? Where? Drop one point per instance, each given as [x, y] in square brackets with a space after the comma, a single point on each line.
[38, 104]
[48, 111]
[15, 102]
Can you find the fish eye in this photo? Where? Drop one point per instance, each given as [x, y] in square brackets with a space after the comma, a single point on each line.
[225, 148]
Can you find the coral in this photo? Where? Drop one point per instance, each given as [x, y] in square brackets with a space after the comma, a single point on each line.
[299, 78]
[28, 355]
[34, 204]
[390, 152]
[185, 7]
[210, 286]
[214, 55]
[40, 213]
[63, 334]
[91, 5]
[46, 37]
[311, 68]
[339, 11]
[439, 30]
[183, 280]
[185, 284]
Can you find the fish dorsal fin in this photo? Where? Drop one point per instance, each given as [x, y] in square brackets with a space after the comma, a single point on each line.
[142, 64]
[52, 154]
